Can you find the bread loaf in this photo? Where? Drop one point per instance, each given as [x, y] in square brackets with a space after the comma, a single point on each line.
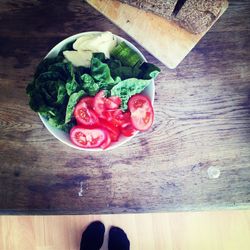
[197, 15]
[162, 8]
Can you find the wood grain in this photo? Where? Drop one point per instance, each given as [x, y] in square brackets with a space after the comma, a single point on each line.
[163, 38]
[173, 231]
[202, 120]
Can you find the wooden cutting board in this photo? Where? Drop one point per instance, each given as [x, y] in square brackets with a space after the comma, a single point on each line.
[162, 38]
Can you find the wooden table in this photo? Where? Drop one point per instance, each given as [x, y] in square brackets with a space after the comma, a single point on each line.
[202, 123]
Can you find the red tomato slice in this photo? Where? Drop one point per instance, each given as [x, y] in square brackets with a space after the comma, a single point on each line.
[108, 114]
[107, 142]
[110, 105]
[116, 99]
[118, 118]
[128, 130]
[87, 138]
[102, 104]
[113, 102]
[126, 119]
[115, 118]
[84, 115]
[142, 113]
[113, 131]
[99, 103]
[88, 100]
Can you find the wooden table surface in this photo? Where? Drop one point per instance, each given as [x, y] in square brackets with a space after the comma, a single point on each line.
[202, 123]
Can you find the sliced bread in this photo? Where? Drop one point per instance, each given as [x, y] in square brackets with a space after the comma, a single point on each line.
[197, 16]
[162, 8]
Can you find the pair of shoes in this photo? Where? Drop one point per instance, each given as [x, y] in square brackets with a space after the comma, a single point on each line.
[92, 238]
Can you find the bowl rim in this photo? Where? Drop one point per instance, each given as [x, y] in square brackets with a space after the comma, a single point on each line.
[58, 47]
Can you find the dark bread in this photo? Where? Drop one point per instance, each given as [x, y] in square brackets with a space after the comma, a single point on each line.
[197, 15]
[162, 8]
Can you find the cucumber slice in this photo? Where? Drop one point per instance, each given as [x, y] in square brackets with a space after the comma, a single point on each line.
[126, 55]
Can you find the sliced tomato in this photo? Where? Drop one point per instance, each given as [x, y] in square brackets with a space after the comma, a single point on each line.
[108, 114]
[128, 130]
[99, 103]
[142, 113]
[118, 118]
[116, 99]
[88, 100]
[87, 138]
[102, 103]
[126, 119]
[113, 102]
[84, 115]
[110, 105]
[107, 142]
[114, 132]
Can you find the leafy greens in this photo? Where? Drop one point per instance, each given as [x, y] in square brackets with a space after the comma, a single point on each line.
[127, 88]
[57, 85]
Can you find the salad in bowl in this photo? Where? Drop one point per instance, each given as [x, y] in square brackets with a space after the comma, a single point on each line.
[94, 91]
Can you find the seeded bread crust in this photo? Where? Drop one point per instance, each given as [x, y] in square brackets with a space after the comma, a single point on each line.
[197, 16]
[162, 8]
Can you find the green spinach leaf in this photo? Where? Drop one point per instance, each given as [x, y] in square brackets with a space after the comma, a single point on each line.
[73, 99]
[100, 71]
[89, 85]
[48, 76]
[100, 56]
[148, 71]
[44, 64]
[125, 89]
[61, 94]
[72, 85]
[63, 68]
[118, 70]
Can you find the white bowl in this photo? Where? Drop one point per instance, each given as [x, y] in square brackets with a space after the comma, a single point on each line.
[63, 136]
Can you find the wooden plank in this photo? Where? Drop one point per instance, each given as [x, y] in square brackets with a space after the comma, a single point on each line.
[165, 40]
[201, 121]
[220, 231]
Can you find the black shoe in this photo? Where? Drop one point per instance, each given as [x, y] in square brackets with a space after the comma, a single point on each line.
[118, 240]
[92, 237]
